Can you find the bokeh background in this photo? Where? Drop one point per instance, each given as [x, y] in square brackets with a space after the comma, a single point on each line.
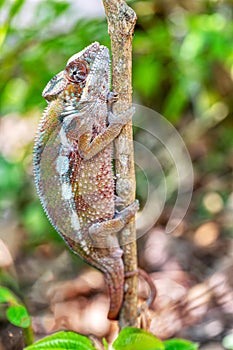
[183, 69]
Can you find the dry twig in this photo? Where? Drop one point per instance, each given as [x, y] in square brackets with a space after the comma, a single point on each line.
[121, 21]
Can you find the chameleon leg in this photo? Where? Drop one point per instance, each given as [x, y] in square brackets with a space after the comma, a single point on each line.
[88, 148]
[121, 118]
[103, 233]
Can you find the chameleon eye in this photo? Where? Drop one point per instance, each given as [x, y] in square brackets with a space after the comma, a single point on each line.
[76, 71]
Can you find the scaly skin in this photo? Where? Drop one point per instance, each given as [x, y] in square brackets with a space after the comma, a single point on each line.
[73, 165]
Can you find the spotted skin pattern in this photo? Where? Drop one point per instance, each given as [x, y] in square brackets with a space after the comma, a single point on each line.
[73, 165]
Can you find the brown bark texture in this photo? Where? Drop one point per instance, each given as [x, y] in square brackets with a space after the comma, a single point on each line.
[121, 22]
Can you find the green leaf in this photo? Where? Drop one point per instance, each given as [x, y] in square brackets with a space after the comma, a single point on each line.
[137, 339]
[18, 316]
[228, 341]
[63, 340]
[180, 344]
[6, 296]
[16, 313]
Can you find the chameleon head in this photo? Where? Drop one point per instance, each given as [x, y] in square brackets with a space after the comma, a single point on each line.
[86, 75]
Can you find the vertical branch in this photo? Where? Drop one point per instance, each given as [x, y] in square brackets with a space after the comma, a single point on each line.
[121, 22]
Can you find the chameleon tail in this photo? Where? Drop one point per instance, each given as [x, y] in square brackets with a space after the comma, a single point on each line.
[109, 261]
[114, 278]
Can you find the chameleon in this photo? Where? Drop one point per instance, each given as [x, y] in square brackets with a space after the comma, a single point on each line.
[73, 155]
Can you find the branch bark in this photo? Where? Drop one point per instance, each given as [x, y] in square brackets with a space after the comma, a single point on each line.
[121, 22]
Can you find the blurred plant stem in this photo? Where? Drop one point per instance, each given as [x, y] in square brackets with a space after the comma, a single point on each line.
[28, 335]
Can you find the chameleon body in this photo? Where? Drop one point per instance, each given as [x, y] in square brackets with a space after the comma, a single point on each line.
[73, 165]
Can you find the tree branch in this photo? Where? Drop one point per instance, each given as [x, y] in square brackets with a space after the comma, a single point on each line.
[121, 22]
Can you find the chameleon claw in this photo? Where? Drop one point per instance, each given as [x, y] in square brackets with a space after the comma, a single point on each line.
[118, 202]
[112, 97]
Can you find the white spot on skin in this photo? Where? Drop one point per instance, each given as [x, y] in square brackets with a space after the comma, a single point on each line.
[66, 191]
[62, 165]
[86, 249]
[75, 221]
[69, 108]
[64, 139]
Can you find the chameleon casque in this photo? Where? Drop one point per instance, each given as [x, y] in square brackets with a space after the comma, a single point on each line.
[73, 164]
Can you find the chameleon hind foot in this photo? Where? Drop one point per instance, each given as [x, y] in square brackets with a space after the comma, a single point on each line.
[103, 233]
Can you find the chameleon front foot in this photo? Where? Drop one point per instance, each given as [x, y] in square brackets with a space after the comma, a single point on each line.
[121, 118]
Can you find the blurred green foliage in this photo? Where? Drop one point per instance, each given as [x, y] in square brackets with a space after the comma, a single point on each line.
[182, 67]
[183, 59]
[45, 45]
